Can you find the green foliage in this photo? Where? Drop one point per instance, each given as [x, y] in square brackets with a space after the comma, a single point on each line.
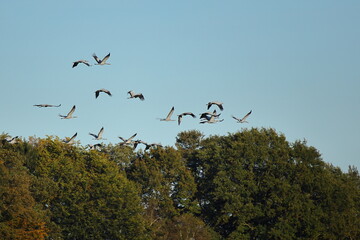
[86, 195]
[255, 185]
[167, 187]
[252, 184]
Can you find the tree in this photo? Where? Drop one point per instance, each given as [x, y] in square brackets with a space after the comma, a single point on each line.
[20, 216]
[252, 184]
[88, 196]
[167, 187]
[186, 227]
[255, 185]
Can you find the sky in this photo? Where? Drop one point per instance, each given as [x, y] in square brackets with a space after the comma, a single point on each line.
[295, 64]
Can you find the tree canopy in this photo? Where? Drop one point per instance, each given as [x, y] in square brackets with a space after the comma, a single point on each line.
[252, 184]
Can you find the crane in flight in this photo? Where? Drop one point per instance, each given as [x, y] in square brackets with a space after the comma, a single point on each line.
[168, 117]
[12, 140]
[147, 145]
[208, 115]
[99, 135]
[81, 61]
[242, 120]
[127, 141]
[211, 119]
[69, 115]
[180, 116]
[97, 92]
[101, 61]
[136, 95]
[46, 105]
[71, 140]
[97, 146]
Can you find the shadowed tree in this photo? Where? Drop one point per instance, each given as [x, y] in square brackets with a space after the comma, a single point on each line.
[89, 197]
[255, 185]
[167, 187]
[20, 215]
[252, 184]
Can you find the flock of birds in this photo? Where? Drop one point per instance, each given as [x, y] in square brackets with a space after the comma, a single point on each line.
[206, 117]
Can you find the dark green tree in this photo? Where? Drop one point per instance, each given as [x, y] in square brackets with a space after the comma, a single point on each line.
[255, 185]
[167, 187]
[88, 195]
[252, 184]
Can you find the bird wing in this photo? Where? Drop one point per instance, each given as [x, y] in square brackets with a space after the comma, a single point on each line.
[190, 114]
[97, 145]
[97, 93]
[141, 97]
[73, 137]
[86, 63]
[147, 146]
[237, 119]
[209, 105]
[170, 113]
[96, 58]
[101, 132]
[179, 119]
[204, 115]
[106, 58]
[94, 135]
[75, 64]
[72, 111]
[220, 106]
[107, 92]
[135, 144]
[49, 105]
[122, 139]
[132, 137]
[247, 115]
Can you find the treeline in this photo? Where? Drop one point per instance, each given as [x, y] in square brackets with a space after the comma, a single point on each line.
[252, 184]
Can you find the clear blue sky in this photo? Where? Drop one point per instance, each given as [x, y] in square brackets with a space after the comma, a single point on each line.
[296, 64]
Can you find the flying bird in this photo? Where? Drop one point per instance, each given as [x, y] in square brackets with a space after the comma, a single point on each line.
[242, 120]
[97, 92]
[185, 114]
[95, 146]
[81, 61]
[69, 115]
[207, 115]
[168, 117]
[136, 143]
[103, 61]
[12, 140]
[212, 119]
[136, 95]
[152, 145]
[219, 104]
[71, 140]
[99, 135]
[127, 141]
[46, 105]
